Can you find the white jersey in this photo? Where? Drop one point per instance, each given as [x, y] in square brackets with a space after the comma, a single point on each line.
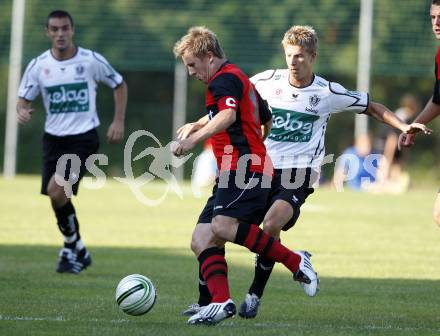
[68, 89]
[300, 116]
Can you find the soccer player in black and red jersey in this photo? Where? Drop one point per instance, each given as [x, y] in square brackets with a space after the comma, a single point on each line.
[236, 207]
[432, 108]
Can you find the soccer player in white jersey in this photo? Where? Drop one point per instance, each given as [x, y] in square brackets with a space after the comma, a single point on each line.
[301, 104]
[67, 76]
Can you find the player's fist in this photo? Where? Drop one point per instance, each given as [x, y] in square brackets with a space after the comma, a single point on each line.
[406, 140]
[24, 114]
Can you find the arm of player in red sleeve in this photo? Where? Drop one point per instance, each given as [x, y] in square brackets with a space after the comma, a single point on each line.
[430, 112]
[220, 122]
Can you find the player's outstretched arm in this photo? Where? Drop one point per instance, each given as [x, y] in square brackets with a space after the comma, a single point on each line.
[383, 114]
[24, 110]
[222, 120]
[430, 112]
[116, 129]
[188, 129]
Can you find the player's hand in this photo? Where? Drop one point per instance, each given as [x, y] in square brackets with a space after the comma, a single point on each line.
[405, 140]
[186, 130]
[24, 114]
[182, 147]
[415, 128]
[115, 132]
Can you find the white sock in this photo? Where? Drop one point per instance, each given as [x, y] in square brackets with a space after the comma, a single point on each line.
[70, 239]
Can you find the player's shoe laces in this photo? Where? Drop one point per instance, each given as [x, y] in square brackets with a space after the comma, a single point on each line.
[249, 307]
[305, 275]
[72, 261]
[213, 313]
[192, 309]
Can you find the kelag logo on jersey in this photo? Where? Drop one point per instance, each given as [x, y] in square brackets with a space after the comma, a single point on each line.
[291, 126]
[68, 98]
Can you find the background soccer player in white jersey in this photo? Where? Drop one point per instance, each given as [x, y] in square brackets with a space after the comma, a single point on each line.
[301, 104]
[67, 76]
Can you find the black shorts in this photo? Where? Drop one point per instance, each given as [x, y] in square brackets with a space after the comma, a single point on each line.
[245, 201]
[292, 185]
[83, 145]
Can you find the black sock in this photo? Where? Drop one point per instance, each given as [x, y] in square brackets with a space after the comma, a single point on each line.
[68, 224]
[263, 269]
[205, 296]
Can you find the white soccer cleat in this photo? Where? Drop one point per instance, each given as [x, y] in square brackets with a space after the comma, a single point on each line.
[192, 309]
[213, 313]
[305, 275]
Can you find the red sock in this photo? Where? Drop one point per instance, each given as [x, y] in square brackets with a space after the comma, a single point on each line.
[256, 240]
[215, 272]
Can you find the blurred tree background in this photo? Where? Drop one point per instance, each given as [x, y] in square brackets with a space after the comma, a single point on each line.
[137, 38]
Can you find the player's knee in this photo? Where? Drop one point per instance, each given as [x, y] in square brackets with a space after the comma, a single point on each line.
[272, 227]
[56, 193]
[219, 229]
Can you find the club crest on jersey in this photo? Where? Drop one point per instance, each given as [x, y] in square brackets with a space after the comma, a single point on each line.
[314, 100]
[79, 69]
[47, 72]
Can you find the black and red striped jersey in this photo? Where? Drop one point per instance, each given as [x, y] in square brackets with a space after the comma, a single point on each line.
[231, 88]
[436, 93]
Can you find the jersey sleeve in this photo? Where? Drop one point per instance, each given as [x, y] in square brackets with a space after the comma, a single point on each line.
[263, 109]
[436, 90]
[227, 90]
[261, 81]
[343, 100]
[29, 87]
[105, 73]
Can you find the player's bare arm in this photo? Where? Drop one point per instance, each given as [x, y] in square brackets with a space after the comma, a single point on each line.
[382, 113]
[116, 129]
[24, 110]
[186, 130]
[430, 112]
[220, 122]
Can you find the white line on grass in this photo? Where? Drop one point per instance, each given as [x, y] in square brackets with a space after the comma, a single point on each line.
[56, 319]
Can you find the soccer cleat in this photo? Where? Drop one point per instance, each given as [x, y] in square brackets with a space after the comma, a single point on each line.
[305, 275]
[192, 309]
[249, 307]
[213, 313]
[71, 261]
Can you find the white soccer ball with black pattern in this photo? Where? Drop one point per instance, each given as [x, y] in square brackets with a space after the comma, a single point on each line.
[135, 294]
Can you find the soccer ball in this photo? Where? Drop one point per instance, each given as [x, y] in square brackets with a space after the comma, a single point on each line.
[135, 294]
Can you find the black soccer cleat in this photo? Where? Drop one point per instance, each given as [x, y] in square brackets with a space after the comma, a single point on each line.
[71, 261]
[249, 307]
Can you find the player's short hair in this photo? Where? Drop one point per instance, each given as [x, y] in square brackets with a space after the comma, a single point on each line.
[304, 36]
[198, 41]
[435, 2]
[59, 14]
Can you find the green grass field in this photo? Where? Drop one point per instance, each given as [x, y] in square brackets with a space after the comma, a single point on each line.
[377, 256]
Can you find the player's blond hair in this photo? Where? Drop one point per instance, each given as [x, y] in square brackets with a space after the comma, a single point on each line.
[198, 41]
[304, 36]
